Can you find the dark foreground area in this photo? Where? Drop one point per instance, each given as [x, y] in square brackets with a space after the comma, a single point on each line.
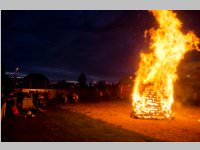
[101, 121]
[61, 125]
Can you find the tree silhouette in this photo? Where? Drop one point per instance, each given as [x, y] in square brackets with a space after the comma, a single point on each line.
[82, 79]
[35, 80]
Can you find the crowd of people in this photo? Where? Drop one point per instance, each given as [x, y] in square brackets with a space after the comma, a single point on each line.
[22, 104]
[31, 102]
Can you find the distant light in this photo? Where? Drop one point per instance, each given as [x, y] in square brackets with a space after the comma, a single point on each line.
[19, 75]
[71, 81]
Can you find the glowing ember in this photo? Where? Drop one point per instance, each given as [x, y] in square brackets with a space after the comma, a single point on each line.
[153, 88]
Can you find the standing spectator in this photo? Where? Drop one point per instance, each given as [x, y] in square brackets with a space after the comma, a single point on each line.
[46, 96]
[65, 97]
[9, 104]
[20, 97]
[3, 106]
[11, 107]
[36, 99]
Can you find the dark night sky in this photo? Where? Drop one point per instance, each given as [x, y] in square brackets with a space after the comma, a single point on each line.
[62, 44]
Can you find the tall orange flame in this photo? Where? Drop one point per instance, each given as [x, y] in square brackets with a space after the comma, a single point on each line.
[153, 88]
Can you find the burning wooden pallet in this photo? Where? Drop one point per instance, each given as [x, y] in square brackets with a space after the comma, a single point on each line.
[150, 107]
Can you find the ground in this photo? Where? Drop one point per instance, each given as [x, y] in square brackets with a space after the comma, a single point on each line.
[101, 121]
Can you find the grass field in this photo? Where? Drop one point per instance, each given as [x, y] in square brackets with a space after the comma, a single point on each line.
[101, 121]
[58, 125]
[185, 126]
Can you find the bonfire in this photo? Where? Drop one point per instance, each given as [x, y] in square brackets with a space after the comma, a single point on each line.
[153, 87]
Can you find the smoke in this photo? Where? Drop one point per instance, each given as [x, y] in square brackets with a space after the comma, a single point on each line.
[187, 86]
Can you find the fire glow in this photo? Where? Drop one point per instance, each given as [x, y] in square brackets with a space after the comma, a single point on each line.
[153, 88]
